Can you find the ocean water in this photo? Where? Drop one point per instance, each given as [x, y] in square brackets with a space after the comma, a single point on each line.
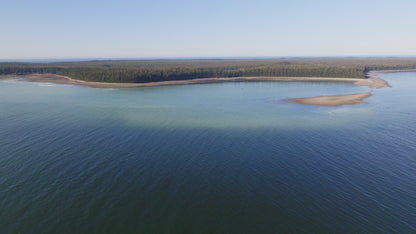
[210, 158]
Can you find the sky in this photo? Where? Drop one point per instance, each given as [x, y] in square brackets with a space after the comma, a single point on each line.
[196, 29]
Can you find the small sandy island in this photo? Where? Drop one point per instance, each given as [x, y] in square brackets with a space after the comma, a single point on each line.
[372, 82]
[338, 100]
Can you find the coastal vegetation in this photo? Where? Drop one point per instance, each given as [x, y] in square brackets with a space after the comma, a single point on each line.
[144, 71]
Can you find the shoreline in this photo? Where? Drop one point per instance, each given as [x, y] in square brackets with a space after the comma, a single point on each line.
[372, 82]
[374, 73]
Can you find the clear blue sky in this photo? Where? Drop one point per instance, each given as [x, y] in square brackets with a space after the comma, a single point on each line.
[215, 28]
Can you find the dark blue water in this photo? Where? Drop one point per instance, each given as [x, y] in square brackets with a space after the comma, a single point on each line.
[212, 158]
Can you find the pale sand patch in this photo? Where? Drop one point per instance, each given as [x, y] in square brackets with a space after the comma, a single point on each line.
[338, 100]
[373, 82]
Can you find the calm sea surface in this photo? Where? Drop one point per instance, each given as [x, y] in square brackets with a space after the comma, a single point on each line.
[210, 158]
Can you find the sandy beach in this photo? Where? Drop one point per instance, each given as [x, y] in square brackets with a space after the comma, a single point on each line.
[373, 82]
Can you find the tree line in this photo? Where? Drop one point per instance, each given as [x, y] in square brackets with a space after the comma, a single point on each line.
[142, 71]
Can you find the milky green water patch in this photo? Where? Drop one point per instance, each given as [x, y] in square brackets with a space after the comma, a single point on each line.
[223, 105]
[228, 119]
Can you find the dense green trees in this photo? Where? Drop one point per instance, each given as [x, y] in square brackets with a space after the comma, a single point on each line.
[141, 71]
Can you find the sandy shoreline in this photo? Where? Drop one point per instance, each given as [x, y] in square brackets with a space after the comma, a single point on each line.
[373, 82]
[58, 79]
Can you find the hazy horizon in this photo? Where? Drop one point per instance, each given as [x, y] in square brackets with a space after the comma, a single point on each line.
[64, 59]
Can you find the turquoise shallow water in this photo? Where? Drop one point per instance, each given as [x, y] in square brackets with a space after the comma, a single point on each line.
[229, 157]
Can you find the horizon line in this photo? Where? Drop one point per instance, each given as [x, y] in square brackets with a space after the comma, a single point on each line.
[73, 59]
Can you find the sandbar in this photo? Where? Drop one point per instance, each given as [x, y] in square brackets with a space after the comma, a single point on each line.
[337, 100]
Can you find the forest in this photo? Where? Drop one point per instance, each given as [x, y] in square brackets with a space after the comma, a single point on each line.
[142, 71]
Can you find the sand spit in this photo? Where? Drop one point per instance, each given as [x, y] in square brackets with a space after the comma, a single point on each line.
[338, 100]
[373, 82]
[58, 79]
